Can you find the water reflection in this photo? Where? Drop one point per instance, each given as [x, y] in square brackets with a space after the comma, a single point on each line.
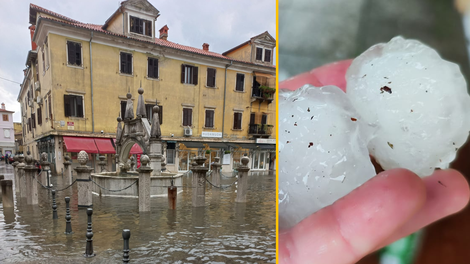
[222, 231]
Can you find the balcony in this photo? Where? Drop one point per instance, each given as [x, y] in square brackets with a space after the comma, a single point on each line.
[260, 129]
[263, 93]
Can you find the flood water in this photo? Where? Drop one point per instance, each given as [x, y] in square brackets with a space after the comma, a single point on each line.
[221, 232]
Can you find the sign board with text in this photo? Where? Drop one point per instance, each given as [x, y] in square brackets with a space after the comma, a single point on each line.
[266, 141]
[211, 134]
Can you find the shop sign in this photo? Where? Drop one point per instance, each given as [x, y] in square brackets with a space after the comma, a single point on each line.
[211, 134]
[70, 125]
[266, 141]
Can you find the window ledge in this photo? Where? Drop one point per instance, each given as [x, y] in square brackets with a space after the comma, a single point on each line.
[126, 74]
[239, 91]
[75, 118]
[74, 66]
[152, 79]
[211, 87]
[233, 129]
[209, 128]
[189, 84]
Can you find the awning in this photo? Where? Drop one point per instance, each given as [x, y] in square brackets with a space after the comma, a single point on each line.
[193, 144]
[77, 144]
[267, 146]
[136, 149]
[247, 146]
[105, 146]
[217, 145]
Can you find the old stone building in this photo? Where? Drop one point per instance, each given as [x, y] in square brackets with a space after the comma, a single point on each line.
[78, 75]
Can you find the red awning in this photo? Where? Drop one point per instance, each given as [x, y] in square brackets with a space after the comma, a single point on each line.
[104, 146]
[77, 144]
[136, 149]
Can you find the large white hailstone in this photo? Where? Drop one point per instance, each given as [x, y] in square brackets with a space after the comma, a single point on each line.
[322, 151]
[417, 101]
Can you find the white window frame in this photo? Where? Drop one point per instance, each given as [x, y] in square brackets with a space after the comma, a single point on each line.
[67, 54]
[152, 22]
[83, 107]
[132, 70]
[213, 118]
[207, 77]
[244, 83]
[263, 54]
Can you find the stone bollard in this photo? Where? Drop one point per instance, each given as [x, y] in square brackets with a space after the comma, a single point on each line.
[89, 236]
[172, 194]
[199, 182]
[45, 167]
[126, 234]
[155, 156]
[54, 206]
[216, 172]
[102, 163]
[242, 180]
[67, 170]
[7, 193]
[15, 172]
[85, 198]
[68, 217]
[2, 177]
[144, 184]
[31, 183]
[21, 176]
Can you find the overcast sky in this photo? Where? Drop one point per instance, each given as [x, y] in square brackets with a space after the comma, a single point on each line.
[223, 24]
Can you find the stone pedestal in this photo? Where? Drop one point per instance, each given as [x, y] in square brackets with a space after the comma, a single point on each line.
[155, 156]
[102, 163]
[15, 172]
[67, 170]
[31, 183]
[216, 172]
[85, 198]
[199, 182]
[21, 177]
[7, 193]
[242, 180]
[45, 174]
[144, 184]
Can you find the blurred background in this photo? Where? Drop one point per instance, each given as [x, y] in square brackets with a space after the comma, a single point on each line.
[316, 32]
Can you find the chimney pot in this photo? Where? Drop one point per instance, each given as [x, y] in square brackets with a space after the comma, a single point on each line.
[31, 30]
[164, 32]
[205, 47]
[3, 106]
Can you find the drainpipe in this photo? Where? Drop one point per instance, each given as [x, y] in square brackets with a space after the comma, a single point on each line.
[225, 94]
[91, 84]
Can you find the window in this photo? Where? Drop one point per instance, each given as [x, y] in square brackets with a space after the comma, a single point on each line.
[170, 153]
[5, 117]
[50, 108]
[39, 111]
[259, 53]
[264, 119]
[73, 105]
[240, 86]
[74, 53]
[43, 60]
[149, 110]
[29, 124]
[237, 120]
[123, 109]
[187, 116]
[6, 132]
[126, 63]
[141, 26]
[152, 68]
[267, 55]
[189, 74]
[211, 77]
[33, 120]
[209, 118]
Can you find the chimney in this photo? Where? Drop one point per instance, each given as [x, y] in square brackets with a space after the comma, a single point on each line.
[24, 72]
[31, 30]
[164, 32]
[205, 47]
[3, 106]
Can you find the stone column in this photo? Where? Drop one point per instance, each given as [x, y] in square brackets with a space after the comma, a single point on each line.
[144, 184]
[45, 166]
[242, 180]
[155, 156]
[15, 172]
[21, 176]
[67, 170]
[216, 172]
[7, 193]
[84, 183]
[31, 183]
[199, 182]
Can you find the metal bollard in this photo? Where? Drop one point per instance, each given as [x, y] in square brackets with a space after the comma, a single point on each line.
[89, 235]
[126, 234]
[68, 217]
[54, 206]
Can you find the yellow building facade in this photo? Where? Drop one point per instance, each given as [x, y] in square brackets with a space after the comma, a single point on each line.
[77, 79]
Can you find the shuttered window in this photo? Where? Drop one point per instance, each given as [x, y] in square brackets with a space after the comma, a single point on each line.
[189, 74]
[267, 55]
[240, 86]
[152, 68]
[126, 63]
[209, 118]
[211, 77]
[187, 116]
[140, 26]
[74, 53]
[237, 120]
[73, 105]
[50, 107]
[259, 53]
[264, 119]
[39, 111]
[33, 120]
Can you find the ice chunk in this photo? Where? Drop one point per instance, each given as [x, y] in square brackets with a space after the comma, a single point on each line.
[322, 151]
[417, 101]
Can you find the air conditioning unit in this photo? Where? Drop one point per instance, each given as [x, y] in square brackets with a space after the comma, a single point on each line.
[188, 132]
[39, 100]
[37, 86]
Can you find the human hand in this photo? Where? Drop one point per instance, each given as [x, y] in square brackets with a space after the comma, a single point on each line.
[391, 205]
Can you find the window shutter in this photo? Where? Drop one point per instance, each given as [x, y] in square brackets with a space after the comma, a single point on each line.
[129, 63]
[259, 54]
[267, 55]
[155, 68]
[123, 62]
[79, 103]
[150, 67]
[67, 105]
[78, 52]
[264, 119]
[252, 118]
[50, 108]
[160, 114]
[195, 75]
[71, 52]
[39, 116]
[211, 77]
[182, 72]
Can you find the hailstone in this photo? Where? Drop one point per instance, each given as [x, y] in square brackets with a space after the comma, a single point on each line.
[417, 102]
[322, 151]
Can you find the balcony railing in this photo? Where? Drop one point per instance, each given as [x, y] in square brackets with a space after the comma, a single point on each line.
[260, 129]
[263, 94]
